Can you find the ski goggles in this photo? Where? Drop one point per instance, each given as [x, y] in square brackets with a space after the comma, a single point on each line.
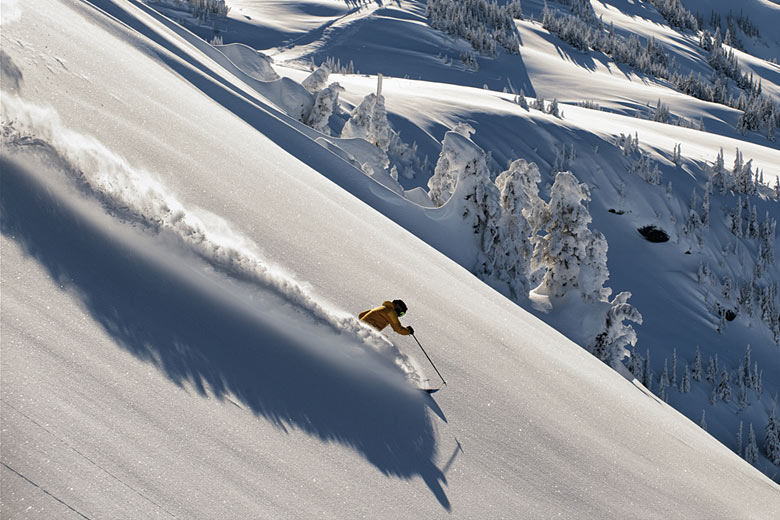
[401, 313]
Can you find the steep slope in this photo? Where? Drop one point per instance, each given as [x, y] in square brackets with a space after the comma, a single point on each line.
[683, 288]
[150, 368]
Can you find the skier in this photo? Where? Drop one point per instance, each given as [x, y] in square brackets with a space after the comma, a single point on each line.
[387, 314]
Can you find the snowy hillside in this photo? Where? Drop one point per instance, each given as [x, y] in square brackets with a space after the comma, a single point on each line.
[189, 228]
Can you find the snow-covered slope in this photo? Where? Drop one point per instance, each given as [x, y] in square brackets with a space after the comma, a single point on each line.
[181, 262]
[679, 305]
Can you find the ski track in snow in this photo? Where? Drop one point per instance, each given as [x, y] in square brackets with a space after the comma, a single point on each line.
[134, 195]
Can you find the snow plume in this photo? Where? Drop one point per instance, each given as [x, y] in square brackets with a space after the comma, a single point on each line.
[135, 196]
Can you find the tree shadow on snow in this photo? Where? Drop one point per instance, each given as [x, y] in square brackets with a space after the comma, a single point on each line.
[195, 337]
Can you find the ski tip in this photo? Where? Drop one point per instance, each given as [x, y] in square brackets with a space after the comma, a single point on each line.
[430, 390]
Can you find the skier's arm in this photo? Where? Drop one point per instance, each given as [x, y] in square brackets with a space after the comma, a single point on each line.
[396, 324]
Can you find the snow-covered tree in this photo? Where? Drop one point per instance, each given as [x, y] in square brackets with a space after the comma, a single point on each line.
[610, 344]
[661, 112]
[712, 369]
[520, 100]
[663, 382]
[462, 175]
[676, 15]
[317, 80]
[703, 420]
[772, 439]
[485, 25]
[324, 103]
[751, 450]
[697, 369]
[369, 121]
[739, 439]
[575, 257]
[724, 388]
[685, 382]
[647, 372]
[520, 218]
[552, 108]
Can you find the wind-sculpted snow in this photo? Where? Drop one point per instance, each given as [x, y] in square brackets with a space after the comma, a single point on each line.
[135, 196]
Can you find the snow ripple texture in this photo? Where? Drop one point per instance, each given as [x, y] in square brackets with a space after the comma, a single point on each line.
[136, 196]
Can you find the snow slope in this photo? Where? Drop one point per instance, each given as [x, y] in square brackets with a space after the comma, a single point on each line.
[177, 284]
[677, 308]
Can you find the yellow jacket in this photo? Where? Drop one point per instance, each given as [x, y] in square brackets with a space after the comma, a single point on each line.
[381, 317]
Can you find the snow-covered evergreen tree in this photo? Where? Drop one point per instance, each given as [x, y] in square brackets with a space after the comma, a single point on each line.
[520, 218]
[724, 388]
[712, 369]
[369, 121]
[324, 103]
[739, 439]
[703, 420]
[685, 382]
[663, 382]
[552, 108]
[697, 369]
[772, 439]
[610, 344]
[751, 449]
[575, 257]
[647, 372]
[520, 100]
[462, 175]
[485, 25]
[742, 395]
[317, 80]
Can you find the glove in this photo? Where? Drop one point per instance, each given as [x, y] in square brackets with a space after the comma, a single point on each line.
[410, 329]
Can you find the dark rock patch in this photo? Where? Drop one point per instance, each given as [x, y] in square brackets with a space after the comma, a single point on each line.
[653, 234]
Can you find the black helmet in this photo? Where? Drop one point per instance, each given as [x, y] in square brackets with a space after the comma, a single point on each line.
[399, 305]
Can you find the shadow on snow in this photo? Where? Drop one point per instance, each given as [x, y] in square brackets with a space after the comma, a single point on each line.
[193, 336]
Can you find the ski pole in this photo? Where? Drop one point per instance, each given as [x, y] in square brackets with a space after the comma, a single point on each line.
[429, 359]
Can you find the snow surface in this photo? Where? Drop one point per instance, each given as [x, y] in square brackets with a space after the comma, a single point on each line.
[181, 266]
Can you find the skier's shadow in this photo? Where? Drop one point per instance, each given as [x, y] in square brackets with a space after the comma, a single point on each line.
[195, 337]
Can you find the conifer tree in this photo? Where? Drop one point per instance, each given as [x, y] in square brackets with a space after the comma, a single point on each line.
[685, 382]
[663, 382]
[703, 420]
[724, 388]
[610, 344]
[552, 109]
[317, 80]
[575, 257]
[697, 370]
[712, 369]
[772, 442]
[462, 174]
[751, 449]
[742, 398]
[522, 208]
[325, 102]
